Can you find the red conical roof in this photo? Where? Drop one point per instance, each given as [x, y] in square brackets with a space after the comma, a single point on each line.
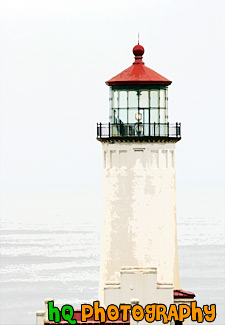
[138, 73]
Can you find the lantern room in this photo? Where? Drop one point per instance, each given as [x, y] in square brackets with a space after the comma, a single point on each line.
[138, 103]
[143, 104]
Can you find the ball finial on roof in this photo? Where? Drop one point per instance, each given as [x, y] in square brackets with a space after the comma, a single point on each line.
[138, 50]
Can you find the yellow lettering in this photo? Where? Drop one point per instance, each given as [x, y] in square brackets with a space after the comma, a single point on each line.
[86, 312]
[137, 313]
[113, 313]
[150, 313]
[210, 314]
[125, 309]
[161, 311]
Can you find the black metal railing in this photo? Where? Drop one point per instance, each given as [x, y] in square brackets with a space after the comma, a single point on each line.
[138, 130]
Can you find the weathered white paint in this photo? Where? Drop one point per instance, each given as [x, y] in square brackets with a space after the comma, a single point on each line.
[139, 210]
[141, 284]
[40, 317]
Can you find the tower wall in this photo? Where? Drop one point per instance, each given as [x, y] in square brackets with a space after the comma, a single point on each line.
[139, 210]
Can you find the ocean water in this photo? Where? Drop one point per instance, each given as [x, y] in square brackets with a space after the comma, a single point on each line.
[41, 261]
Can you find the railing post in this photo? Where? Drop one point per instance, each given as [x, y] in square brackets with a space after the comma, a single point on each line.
[176, 129]
[109, 129]
[100, 131]
[154, 129]
[149, 129]
[180, 129]
[159, 128]
[168, 129]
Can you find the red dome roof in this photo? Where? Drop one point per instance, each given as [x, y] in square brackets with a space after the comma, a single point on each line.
[138, 73]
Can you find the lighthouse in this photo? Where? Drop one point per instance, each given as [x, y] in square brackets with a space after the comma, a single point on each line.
[139, 262]
[139, 179]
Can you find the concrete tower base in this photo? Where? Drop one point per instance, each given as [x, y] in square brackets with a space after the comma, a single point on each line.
[139, 210]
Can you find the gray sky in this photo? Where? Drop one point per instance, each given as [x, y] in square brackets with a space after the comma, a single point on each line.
[55, 56]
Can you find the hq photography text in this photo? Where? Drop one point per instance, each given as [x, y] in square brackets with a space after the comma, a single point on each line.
[149, 313]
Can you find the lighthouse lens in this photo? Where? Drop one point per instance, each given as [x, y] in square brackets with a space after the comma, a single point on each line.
[138, 116]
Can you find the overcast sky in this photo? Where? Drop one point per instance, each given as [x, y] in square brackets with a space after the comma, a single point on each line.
[55, 56]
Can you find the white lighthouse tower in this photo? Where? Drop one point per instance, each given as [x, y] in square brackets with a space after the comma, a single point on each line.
[139, 263]
[139, 184]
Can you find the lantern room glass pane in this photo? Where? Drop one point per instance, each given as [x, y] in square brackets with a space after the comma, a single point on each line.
[154, 98]
[131, 115]
[123, 115]
[162, 101]
[110, 98]
[111, 115]
[123, 99]
[166, 98]
[140, 116]
[144, 99]
[163, 115]
[115, 99]
[154, 115]
[133, 99]
[115, 116]
[146, 116]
